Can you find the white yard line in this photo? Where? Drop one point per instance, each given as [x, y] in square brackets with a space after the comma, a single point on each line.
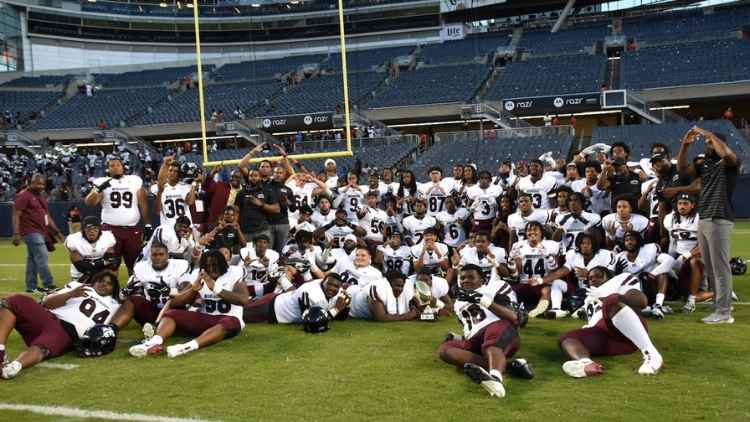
[63, 366]
[24, 265]
[73, 412]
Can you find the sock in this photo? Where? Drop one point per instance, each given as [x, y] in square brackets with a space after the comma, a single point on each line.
[556, 293]
[155, 340]
[631, 327]
[192, 345]
[659, 299]
[691, 299]
[496, 373]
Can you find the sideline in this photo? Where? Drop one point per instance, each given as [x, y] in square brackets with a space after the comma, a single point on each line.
[73, 412]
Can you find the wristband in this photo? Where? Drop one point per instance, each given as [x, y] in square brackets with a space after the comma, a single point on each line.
[486, 301]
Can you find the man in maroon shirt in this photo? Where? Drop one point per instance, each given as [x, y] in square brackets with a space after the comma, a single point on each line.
[30, 220]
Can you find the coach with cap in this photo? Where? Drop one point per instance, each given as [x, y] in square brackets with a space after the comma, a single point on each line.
[619, 179]
[31, 221]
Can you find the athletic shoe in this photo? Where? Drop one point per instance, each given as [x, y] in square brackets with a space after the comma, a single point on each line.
[652, 362]
[646, 311]
[735, 297]
[148, 330]
[556, 314]
[35, 291]
[657, 312]
[141, 350]
[579, 313]
[716, 318]
[490, 383]
[50, 288]
[667, 309]
[451, 336]
[540, 308]
[178, 350]
[582, 368]
[10, 370]
[688, 308]
[520, 368]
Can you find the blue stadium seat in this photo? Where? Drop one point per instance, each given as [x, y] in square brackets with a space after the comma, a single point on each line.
[573, 40]
[687, 25]
[262, 69]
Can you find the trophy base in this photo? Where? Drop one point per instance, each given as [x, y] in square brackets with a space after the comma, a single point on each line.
[428, 317]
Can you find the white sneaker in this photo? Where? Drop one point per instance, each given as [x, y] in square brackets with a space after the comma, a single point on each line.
[657, 312]
[688, 308]
[582, 368]
[540, 308]
[148, 331]
[652, 362]
[178, 350]
[479, 375]
[556, 314]
[141, 350]
[10, 370]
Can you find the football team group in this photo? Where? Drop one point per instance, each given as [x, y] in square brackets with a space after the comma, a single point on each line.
[601, 238]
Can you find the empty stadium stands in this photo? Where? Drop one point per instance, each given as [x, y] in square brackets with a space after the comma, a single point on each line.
[366, 59]
[263, 69]
[48, 81]
[574, 40]
[686, 64]
[147, 77]
[464, 51]
[27, 102]
[686, 25]
[323, 93]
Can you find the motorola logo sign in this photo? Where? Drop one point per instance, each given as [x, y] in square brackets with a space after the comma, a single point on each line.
[558, 102]
[308, 120]
[266, 122]
[510, 105]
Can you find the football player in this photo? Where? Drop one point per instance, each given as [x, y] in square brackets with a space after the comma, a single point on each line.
[372, 219]
[261, 268]
[597, 200]
[681, 225]
[394, 255]
[52, 328]
[357, 271]
[613, 328]
[648, 263]
[174, 197]
[534, 261]
[560, 196]
[576, 221]
[335, 231]
[430, 253]
[526, 213]
[386, 300]
[91, 250]
[538, 185]
[616, 224]
[323, 215]
[124, 204]
[434, 192]
[452, 220]
[483, 202]
[350, 198]
[178, 238]
[417, 223]
[490, 321]
[222, 295]
[439, 289]
[302, 248]
[489, 258]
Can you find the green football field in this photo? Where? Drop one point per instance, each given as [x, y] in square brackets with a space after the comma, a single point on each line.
[386, 372]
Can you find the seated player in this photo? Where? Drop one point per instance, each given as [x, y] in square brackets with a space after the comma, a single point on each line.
[623, 220]
[394, 255]
[222, 295]
[490, 258]
[261, 268]
[357, 271]
[534, 261]
[335, 231]
[439, 289]
[372, 219]
[302, 247]
[54, 327]
[526, 213]
[227, 232]
[576, 221]
[561, 209]
[178, 239]
[386, 300]
[91, 250]
[415, 224]
[345, 251]
[288, 307]
[613, 328]
[575, 269]
[430, 253]
[682, 227]
[152, 284]
[649, 264]
[490, 321]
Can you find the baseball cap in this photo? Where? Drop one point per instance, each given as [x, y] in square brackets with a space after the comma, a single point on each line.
[91, 221]
[571, 164]
[329, 161]
[686, 197]
[658, 157]
[351, 237]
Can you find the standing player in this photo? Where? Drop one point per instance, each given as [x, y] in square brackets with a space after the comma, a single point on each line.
[576, 222]
[526, 213]
[537, 184]
[452, 220]
[613, 328]
[417, 223]
[483, 202]
[434, 192]
[174, 197]
[394, 255]
[598, 201]
[91, 250]
[123, 201]
[682, 227]
[350, 198]
[373, 219]
[490, 321]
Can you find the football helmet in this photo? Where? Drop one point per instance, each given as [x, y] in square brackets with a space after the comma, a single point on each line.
[98, 340]
[301, 265]
[315, 320]
[739, 266]
[324, 260]
[189, 171]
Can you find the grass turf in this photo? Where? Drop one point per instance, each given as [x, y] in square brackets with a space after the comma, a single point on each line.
[362, 370]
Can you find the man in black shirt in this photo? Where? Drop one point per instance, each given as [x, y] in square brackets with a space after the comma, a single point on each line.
[227, 233]
[256, 202]
[279, 222]
[718, 177]
[618, 179]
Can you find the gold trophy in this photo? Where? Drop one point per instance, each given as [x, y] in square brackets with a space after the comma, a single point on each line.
[424, 297]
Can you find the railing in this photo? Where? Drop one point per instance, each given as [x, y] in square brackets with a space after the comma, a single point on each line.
[333, 144]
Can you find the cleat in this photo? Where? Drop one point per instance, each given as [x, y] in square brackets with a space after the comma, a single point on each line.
[178, 350]
[144, 349]
[646, 311]
[579, 313]
[582, 368]
[540, 308]
[688, 308]
[451, 336]
[556, 314]
[718, 319]
[490, 383]
[11, 370]
[657, 312]
[520, 368]
[148, 331]
[735, 297]
[652, 362]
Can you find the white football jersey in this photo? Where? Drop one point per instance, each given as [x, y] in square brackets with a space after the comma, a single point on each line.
[517, 222]
[505, 182]
[603, 258]
[484, 202]
[212, 304]
[289, 306]
[360, 276]
[619, 284]
[86, 311]
[683, 233]
[319, 220]
[415, 227]
[120, 200]
[470, 255]
[338, 233]
[380, 291]
[538, 190]
[174, 203]
[292, 250]
[653, 201]
[396, 260]
[575, 225]
[453, 226]
[167, 236]
[645, 261]
[598, 200]
[374, 224]
[473, 316]
[144, 275]
[537, 260]
[435, 195]
[639, 223]
[77, 242]
[351, 199]
[430, 259]
[257, 272]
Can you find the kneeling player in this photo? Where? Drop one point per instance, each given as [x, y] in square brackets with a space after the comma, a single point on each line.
[91, 250]
[52, 328]
[613, 328]
[386, 300]
[222, 295]
[490, 320]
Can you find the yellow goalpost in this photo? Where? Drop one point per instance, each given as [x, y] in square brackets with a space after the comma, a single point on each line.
[311, 156]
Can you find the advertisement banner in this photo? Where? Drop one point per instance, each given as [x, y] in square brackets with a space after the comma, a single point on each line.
[453, 5]
[553, 104]
[312, 121]
[452, 32]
